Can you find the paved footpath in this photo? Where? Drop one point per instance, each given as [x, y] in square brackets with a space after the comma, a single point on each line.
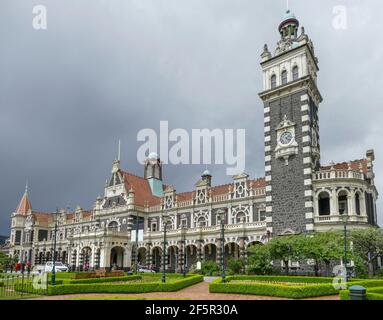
[199, 291]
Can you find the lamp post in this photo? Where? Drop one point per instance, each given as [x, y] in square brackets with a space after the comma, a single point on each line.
[184, 250]
[164, 223]
[136, 246]
[54, 251]
[345, 219]
[222, 214]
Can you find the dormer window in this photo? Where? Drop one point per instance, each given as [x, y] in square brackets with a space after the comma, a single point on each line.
[273, 81]
[284, 77]
[295, 73]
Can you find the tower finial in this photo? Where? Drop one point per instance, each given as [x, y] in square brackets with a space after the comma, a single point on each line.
[119, 150]
[26, 186]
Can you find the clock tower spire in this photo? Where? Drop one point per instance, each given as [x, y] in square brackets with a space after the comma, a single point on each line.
[291, 99]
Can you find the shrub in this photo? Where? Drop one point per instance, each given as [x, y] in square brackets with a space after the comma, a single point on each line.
[236, 266]
[290, 279]
[209, 268]
[274, 290]
[104, 280]
[1, 284]
[121, 288]
[374, 296]
[344, 294]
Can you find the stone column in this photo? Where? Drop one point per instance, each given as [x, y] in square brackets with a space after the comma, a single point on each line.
[180, 257]
[199, 250]
[334, 203]
[149, 257]
[219, 252]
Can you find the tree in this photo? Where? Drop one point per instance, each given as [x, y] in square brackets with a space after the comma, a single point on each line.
[236, 266]
[3, 259]
[322, 247]
[285, 249]
[368, 245]
[259, 260]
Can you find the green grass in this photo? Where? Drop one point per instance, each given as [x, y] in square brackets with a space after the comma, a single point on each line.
[122, 298]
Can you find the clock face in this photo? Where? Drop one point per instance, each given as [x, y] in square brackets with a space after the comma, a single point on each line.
[286, 137]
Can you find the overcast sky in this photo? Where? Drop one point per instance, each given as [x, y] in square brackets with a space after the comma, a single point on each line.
[103, 70]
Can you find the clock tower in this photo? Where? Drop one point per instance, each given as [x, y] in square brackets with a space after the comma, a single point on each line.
[292, 152]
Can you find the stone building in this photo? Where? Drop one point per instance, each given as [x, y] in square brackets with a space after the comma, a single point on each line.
[297, 195]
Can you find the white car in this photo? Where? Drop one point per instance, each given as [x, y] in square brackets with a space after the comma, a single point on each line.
[59, 267]
[145, 270]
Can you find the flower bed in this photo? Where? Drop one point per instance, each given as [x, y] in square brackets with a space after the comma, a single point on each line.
[284, 287]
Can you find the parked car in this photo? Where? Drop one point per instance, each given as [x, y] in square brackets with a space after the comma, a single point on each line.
[142, 269]
[59, 267]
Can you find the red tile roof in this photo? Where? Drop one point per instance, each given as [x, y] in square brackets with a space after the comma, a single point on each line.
[142, 191]
[356, 165]
[24, 205]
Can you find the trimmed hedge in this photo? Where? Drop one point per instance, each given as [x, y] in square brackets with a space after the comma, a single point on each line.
[290, 279]
[122, 288]
[367, 283]
[344, 294]
[103, 280]
[273, 290]
[374, 296]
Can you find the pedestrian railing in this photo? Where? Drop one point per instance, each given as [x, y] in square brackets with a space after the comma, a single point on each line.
[17, 286]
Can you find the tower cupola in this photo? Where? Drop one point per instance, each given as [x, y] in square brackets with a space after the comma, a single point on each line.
[288, 28]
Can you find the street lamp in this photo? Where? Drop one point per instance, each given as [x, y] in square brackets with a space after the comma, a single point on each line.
[184, 250]
[136, 246]
[54, 251]
[345, 219]
[165, 221]
[221, 214]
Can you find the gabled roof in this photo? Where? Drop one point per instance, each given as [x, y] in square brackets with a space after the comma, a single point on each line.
[24, 207]
[142, 191]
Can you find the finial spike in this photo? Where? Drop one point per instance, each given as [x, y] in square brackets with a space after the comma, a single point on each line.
[26, 186]
[119, 150]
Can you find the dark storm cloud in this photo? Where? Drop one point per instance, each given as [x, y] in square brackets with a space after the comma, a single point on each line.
[103, 70]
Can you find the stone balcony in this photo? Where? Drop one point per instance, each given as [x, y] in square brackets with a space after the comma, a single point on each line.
[338, 174]
[338, 219]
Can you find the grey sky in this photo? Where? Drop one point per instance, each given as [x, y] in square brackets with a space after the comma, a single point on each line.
[103, 70]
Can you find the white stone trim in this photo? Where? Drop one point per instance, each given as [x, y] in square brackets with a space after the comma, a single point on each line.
[309, 215]
[268, 178]
[307, 160]
[305, 128]
[268, 168]
[309, 204]
[269, 198]
[267, 119]
[267, 158]
[305, 107]
[269, 219]
[309, 227]
[304, 97]
[306, 149]
[268, 148]
[309, 193]
[306, 139]
[267, 129]
[305, 118]
[308, 182]
[267, 138]
[307, 171]
[269, 209]
[269, 188]
[266, 110]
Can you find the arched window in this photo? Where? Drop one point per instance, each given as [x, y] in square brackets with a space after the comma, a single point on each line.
[295, 73]
[273, 81]
[342, 202]
[202, 222]
[357, 203]
[284, 77]
[113, 226]
[324, 204]
[240, 217]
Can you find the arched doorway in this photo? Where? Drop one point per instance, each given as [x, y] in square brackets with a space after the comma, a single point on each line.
[191, 256]
[172, 258]
[86, 256]
[156, 256]
[231, 251]
[210, 252]
[141, 256]
[117, 257]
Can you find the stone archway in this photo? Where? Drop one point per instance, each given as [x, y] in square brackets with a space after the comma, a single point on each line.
[231, 251]
[86, 258]
[210, 252]
[156, 258]
[191, 256]
[141, 256]
[172, 259]
[117, 257]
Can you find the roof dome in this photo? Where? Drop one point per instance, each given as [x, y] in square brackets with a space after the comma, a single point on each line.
[206, 173]
[288, 18]
[153, 156]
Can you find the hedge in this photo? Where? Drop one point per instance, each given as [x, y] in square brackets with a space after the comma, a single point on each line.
[1, 284]
[290, 279]
[102, 280]
[122, 288]
[273, 290]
